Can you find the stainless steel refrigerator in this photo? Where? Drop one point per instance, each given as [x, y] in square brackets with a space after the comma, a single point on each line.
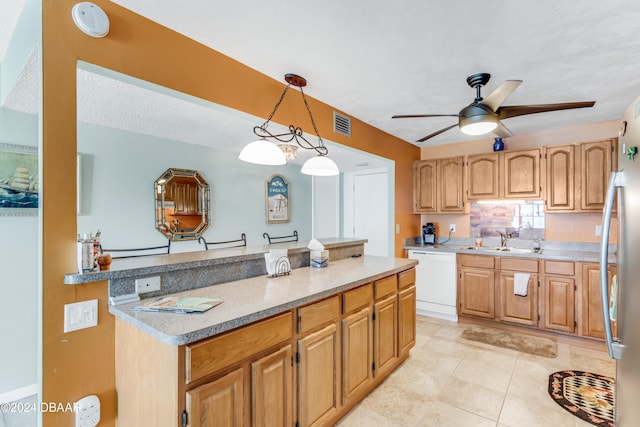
[622, 303]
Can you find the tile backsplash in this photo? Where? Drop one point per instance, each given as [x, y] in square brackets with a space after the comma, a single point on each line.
[523, 219]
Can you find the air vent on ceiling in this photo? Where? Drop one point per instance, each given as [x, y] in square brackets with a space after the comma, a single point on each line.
[341, 124]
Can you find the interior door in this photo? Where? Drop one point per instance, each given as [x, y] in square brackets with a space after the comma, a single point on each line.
[371, 212]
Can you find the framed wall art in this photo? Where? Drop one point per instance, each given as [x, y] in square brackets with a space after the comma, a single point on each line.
[278, 202]
[18, 180]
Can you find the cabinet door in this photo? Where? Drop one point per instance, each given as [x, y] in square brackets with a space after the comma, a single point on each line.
[451, 185]
[477, 292]
[407, 319]
[522, 174]
[595, 163]
[425, 186]
[357, 348]
[272, 389]
[516, 308]
[592, 320]
[560, 165]
[483, 177]
[559, 297]
[218, 403]
[317, 376]
[385, 329]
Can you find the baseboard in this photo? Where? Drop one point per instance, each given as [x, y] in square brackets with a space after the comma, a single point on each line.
[18, 393]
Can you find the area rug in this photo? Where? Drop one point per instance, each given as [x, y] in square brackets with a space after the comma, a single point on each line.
[525, 343]
[588, 396]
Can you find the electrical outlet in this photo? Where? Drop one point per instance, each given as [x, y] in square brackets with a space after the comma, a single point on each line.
[87, 411]
[598, 230]
[80, 315]
[148, 284]
[452, 228]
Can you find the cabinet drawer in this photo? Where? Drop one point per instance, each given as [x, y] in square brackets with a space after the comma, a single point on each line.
[519, 264]
[406, 278]
[317, 314]
[559, 267]
[386, 286]
[208, 356]
[356, 298]
[477, 261]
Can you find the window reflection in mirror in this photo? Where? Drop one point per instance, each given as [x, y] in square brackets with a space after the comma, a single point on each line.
[182, 204]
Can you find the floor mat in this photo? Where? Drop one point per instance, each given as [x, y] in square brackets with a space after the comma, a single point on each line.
[588, 396]
[539, 346]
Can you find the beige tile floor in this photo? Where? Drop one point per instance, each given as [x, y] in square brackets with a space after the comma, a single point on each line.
[450, 381]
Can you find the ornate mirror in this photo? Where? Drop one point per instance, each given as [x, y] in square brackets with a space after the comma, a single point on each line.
[182, 204]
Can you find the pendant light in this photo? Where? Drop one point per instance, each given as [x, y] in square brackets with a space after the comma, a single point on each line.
[283, 150]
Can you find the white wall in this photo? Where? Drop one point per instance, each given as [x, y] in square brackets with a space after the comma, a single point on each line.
[326, 206]
[19, 277]
[119, 170]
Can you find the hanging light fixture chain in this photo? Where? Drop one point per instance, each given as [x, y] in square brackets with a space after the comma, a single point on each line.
[284, 92]
[321, 149]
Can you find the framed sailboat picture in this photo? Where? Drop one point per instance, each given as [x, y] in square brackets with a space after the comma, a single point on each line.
[18, 180]
[277, 199]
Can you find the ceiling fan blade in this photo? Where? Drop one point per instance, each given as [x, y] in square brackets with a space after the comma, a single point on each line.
[436, 133]
[521, 110]
[413, 116]
[502, 130]
[497, 97]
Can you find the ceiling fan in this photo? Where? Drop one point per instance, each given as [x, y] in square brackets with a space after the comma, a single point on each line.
[484, 115]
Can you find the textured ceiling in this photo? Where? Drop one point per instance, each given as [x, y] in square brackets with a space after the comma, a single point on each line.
[374, 59]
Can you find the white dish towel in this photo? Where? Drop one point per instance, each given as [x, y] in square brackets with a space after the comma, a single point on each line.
[520, 284]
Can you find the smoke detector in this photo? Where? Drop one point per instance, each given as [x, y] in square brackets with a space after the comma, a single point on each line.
[91, 19]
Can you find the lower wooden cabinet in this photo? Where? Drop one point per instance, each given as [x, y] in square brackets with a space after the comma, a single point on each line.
[592, 319]
[515, 308]
[272, 389]
[219, 403]
[317, 376]
[562, 296]
[559, 290]
[357, 353]
[476, 285]
[306, 367]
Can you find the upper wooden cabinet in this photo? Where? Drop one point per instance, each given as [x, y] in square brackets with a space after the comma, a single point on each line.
[483, 176]
[561, 189]
[595, 168]
[504, 175]
[522, 174]
[577, 176]
[438, 185]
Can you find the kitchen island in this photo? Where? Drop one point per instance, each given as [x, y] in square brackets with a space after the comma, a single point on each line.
[297, 349]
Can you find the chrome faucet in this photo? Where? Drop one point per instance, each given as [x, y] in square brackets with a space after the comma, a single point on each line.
[504, 237]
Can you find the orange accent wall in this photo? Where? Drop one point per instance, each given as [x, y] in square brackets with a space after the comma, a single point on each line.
[579, 227]
[82, 362]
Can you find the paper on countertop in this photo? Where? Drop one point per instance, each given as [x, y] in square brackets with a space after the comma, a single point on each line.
[272, 257]
[315, 245]
[520, 284]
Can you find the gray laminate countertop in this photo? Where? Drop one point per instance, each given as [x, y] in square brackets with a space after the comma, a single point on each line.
[559, 251]
[249, 300]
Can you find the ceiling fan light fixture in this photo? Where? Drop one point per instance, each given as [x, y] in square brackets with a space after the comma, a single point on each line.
[320, 166]
[479, 124]
[262, 152]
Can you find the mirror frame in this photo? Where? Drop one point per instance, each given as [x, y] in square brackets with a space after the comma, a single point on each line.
[172, 231]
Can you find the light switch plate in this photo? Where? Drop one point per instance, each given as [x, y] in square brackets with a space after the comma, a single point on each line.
[80, 315]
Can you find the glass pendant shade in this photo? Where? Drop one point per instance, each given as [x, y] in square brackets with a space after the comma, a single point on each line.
[478, 125]
[290, 151]
[320, 166]
[262, 152]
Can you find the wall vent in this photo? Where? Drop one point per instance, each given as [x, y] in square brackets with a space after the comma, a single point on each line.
[341, 124]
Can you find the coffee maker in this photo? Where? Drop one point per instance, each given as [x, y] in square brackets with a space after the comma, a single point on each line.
[429, 234]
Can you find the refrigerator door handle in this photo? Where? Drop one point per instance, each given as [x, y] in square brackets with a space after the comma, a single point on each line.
[613, 346]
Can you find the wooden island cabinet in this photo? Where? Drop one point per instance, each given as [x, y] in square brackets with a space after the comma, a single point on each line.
[307, 366]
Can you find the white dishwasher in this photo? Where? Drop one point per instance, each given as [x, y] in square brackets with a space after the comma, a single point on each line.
[436, 284]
